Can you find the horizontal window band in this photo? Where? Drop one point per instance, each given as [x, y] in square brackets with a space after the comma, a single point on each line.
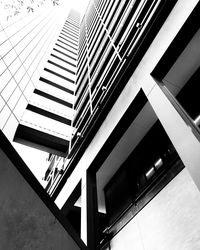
[76, 22]
[68, 44]
[61, 76]
[71, 29]
[75, 44]
[71, 33]
[64, 54]
[49, 114]
[53, 98]
[59, 58]
[56, 85]
[65, 47]
[61, 67]
[70, 21]
[42, 140]
[71, 24]
[67, 22]
[69, 36]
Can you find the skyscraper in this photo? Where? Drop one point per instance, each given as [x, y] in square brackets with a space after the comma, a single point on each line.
[25, 41]
[131, 159]
[47, 121]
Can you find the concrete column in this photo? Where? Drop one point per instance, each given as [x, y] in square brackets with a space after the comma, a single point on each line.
[93, 239]
[179, 132]
[89, 211]
[84, 209]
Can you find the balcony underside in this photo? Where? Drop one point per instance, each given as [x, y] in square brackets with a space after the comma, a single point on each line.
[40, 140]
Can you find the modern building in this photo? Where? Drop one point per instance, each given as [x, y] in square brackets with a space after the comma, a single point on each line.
[131, 177]
[29, 219]
[47, 122]
[24, 47]
[127, 174]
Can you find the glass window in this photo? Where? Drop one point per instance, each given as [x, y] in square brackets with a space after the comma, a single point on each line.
[189, 97]
[142, 175]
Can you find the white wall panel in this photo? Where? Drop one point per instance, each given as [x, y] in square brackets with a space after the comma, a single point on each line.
[46, 124]
[54, 91]
[61, 63]
[2, 66]
[4, 79]
[58, 80]
[4, 114]
[14, 98]
[8, 90]
[20, 107]
[52, 106]
[170, 221]
[2, 103]
[60, 71]
[10, 127]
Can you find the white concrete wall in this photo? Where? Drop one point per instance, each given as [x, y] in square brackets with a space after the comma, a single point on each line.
[171, 221]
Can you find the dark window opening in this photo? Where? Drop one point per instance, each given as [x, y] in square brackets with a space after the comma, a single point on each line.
[72, 209]
[74, 217]
[151, 165]
[188, 97]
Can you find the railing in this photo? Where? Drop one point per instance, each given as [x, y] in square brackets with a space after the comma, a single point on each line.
[113, 57]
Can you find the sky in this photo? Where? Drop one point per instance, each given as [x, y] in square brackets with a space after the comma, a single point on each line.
[35, 159]
[11, 8]
[79, 5]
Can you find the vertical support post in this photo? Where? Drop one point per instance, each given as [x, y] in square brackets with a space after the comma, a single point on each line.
[84, 209]
[93, 237]
[181, 134]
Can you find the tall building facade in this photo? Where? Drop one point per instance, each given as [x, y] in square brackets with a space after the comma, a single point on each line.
[133, 158]
[125, 171]
[23, 47]
[47, 122]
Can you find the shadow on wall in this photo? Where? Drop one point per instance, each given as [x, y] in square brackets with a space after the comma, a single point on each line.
[25, 222]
